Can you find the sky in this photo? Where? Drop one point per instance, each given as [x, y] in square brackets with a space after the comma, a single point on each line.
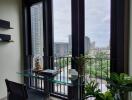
[97, 21]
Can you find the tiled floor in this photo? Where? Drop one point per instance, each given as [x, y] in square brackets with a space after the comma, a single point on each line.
[39, 96]
[33, 95]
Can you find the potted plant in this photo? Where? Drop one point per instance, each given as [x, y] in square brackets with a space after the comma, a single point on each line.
[80, 63]
[92, 90]
[119, 84]
[37, 64]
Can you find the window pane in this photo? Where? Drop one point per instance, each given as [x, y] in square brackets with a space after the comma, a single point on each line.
[97, 23]
[62, 41]
[37, 32]
[97, 40]
[62, 27]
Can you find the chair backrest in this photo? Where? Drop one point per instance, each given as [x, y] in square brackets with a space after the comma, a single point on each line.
[16, 91]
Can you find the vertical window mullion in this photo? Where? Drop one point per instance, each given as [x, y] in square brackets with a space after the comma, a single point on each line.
[77, 29]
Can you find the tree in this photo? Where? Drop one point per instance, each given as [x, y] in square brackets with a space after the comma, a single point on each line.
[101, 54]
[98, 66]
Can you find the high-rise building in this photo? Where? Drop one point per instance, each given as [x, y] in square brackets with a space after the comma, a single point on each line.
[93, 45]
[87, 44]
[37, 30]
[60, 49]
[70, 43]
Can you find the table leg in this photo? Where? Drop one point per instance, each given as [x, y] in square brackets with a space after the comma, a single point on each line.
[76, 92]
[73, 93]
[46, 89]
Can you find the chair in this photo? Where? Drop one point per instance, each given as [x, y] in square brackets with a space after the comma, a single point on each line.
[16, 91]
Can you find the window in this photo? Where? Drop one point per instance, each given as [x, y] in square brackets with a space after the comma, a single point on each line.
[97, 36]
[97, 39]
[62, 41]
[37, 33]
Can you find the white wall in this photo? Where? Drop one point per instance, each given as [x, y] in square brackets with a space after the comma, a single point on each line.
[10, 52]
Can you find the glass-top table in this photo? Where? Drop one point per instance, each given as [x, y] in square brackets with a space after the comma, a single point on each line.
[73, 83]
[57, 78]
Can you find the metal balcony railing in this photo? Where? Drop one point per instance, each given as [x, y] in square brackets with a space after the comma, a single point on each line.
[95, 69]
